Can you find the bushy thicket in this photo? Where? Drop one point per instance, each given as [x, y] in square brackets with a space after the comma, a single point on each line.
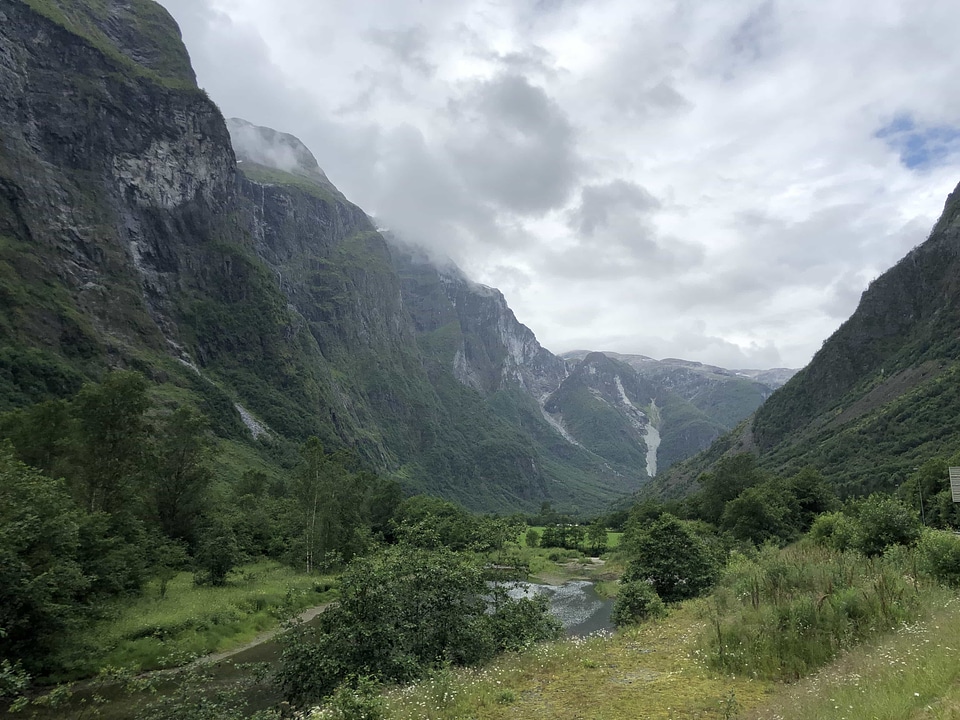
[675, 557]
[636, 601]
[401, 612]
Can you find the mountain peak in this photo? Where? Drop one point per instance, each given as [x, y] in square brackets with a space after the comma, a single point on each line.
[276, 150]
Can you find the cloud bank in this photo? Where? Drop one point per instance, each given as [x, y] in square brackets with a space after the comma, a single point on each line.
[712, 181]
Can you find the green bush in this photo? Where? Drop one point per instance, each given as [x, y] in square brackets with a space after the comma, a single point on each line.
[938, 555]
[883, 521]
[636, 602]
[834, 530]
[358, 698]
[402, 612]
[671, 556]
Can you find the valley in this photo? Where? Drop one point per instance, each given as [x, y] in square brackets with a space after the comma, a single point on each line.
[262, 457]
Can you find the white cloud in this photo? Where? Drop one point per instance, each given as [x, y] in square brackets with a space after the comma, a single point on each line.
[703, 180]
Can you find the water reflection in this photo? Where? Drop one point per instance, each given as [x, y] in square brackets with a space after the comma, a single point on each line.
[575, 604]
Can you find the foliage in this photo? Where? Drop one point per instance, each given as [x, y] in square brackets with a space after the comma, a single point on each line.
[883, 521]
[357, 698]
[597, 537]
[401, 611]
[335, 506]
[835, 530]
[927, 491]
[759, 514]
[179, 476]
[673, 558]
[564, 534]
[783, 613]
[532, 538]
[217, 555]
[938, 555]
[729, 478]
[110, 442]
[636, 601]
[41, 580]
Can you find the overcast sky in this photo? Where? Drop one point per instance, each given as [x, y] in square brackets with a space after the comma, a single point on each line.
[717, 181]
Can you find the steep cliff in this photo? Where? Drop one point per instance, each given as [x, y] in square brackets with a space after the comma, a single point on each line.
[129, 238]
[132, 235]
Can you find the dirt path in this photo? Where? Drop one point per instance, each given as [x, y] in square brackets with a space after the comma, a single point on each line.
[266, 636]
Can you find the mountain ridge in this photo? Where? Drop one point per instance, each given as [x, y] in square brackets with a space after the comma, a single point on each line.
[131, 237]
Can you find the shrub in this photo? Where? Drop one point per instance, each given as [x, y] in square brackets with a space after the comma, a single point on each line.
[674, 559]
[358, 698]
[833, 530]
[883, 521]
[533, 538]
[402, 612]
[636, 602]
[938, 555]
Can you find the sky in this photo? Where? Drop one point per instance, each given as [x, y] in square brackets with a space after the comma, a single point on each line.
[715, 181]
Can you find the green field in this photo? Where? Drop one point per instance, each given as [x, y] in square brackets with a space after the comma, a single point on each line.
[151, 632]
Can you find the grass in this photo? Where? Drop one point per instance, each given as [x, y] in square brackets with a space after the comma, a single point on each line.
[646, 672]
[784, 614]
[271, 176]
[912, 674]
[150, 631]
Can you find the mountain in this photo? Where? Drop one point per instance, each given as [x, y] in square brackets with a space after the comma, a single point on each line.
[882, 394]
[139, 229]
[688, 404]
[131, 237]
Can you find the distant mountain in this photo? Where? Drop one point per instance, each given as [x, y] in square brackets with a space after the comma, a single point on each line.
[689, 403]
[883, 393]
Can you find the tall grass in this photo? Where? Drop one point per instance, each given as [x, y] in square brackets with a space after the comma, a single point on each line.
[782, 614]
[912, 674]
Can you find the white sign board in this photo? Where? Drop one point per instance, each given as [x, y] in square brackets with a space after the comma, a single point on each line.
[955, 483]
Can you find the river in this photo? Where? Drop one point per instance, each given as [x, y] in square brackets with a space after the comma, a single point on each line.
[575, 604]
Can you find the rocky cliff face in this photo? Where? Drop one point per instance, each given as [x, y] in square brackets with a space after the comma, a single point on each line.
[111, 161]
[132, 235]
[129, 238]
[493, 349]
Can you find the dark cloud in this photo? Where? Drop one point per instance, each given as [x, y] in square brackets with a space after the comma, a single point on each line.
[514, 145]
[755, 38]
[599, 202]
[408, 46]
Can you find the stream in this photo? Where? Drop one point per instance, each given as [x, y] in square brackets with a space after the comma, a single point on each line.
[576, 604]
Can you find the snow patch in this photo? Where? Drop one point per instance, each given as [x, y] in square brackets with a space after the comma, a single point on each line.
[638, 418]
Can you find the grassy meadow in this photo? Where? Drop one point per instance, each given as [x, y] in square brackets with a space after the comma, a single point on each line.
[154, 631]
